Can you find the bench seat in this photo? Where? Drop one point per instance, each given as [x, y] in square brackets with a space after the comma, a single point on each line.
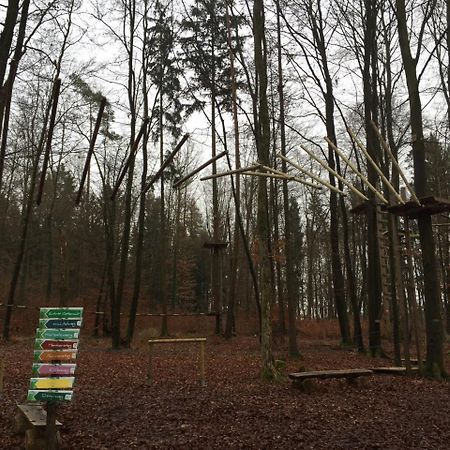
[300, 379]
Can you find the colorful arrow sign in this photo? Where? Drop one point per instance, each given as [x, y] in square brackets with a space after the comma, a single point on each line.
[61, 313]
[43, 370]
[52, 383]
[57, 334]
[54, 355]
[59, 323]
[45, 344]
[49, 396]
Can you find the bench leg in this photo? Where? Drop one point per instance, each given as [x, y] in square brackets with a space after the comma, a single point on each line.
[304, 385]
[354, 381]
[20, 424]
[35, 439]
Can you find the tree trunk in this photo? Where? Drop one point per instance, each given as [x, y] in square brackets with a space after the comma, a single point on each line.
[262, 226]
[289, 250]
[433, 319]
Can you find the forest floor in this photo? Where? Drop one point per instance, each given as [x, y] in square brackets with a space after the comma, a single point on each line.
[114, 408]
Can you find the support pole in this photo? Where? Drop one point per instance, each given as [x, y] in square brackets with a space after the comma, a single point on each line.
[198, 169]
[357, 172]
[314, 177]
[150, 357]
[130, 157]
[375, 166]
[394, 162]
[202, 364]
[282, 177]
[231, 172]
[2, 374]
[169, 159]
[52, 442]
[336, 174]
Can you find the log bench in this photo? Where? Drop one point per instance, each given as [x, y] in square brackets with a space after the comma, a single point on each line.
[31, 420]
[300, 379]
[394, 370]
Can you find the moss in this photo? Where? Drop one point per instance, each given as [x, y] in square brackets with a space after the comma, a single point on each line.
[270, 373]
[280, 364]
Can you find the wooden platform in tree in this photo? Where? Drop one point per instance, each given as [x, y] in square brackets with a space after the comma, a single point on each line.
[362, 208]
[428, 206]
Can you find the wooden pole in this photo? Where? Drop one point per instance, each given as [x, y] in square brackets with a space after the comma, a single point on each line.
[230, 172]
[52, 443]
[2, 374]
[282, 177]
[375, 166]
[91, 149]
[130, 157]
[198, 169]
[314, 177]
[412, 294]
[394, 162]
[202, 364]
[150, 355]
[357, 172]
[169, 159]
[336, 174]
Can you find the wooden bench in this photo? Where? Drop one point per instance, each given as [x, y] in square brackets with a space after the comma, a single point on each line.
[300, 379]
[394, 370]
[31, 420]
[200, 341]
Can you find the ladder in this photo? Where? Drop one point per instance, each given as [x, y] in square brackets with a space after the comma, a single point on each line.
[384, 262]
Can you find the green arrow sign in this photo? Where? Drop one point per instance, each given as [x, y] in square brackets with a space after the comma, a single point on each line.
[59, 323]
[57, 334]
[49, 396]
[61, 313]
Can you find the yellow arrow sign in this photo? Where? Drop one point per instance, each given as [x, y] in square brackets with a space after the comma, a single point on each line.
[52, 383]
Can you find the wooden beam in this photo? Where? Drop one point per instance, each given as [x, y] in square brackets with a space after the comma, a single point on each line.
[130, 157]
[357, 172]
[336, 174]
[375, 166]
[231, 172]
[169, 159]
[282, 177]
[314, 177]
[198, 169]
[394, 162]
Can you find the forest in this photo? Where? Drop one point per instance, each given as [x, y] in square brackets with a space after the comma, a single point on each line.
[269, 173]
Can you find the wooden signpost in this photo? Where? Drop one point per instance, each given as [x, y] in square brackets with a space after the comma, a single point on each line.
[55, 350]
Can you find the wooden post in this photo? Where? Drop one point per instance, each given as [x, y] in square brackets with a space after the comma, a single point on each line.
[150, 354]
[2, 372]
[202, 364]
[52, 442]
